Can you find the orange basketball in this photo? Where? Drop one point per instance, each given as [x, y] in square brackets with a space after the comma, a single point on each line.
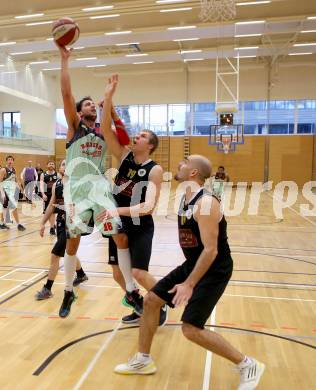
[65, 31]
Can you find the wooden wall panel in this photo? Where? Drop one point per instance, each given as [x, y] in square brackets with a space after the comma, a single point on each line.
[246, 164]
[291, 158]
[20, 161]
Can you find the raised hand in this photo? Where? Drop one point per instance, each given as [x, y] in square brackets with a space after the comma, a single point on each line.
[111, 86]
[65, 53]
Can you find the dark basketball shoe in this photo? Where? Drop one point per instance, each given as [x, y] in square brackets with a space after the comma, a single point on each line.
[79, 279]
[65, 307]
[134, 300]
[131, 318]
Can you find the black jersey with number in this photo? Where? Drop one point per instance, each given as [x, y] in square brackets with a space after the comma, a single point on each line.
[131, 183]
[49, 180]
[189, 233]
[59, 199]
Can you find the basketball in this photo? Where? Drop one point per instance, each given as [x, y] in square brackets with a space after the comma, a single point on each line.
[65, 31]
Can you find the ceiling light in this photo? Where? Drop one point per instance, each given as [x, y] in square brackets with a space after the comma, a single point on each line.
[49, 39]
[304, 44]
[101, 8]
[86, 59]
[246, 56]
[7, 43]
[308, 31]
[250, 22]
[118, 33]
[189, 51]
[104, 16]
[247, 35]
[95, 66]
[170, 1]
[137, 55]
[176, 9]
[193, 59]
[246, 48]
[300, 54]
[51, 69]
[11, 71]
[144, 62]
[185, 39]
[181, 28]
[38, 62]
[254, 2]
[311, 18]
[28, 16]
[2, 65]
[78, 47]
[38, 23]
[127, 44]
[18, 53]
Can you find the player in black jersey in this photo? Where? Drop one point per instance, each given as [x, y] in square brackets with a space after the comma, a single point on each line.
[47, 181]
[199, 282]
[8, 193]
[136, 192]
[56, 205]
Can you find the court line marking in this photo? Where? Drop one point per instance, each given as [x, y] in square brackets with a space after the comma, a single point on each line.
[229, 295]
[96, 357]
[21, 284]
[209, 355]
[9, 273]
[280, 200]
[57, 352]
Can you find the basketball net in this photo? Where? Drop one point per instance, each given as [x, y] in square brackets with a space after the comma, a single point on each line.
[226, 141]
[217, 10]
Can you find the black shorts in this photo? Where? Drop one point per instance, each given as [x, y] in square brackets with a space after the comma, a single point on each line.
[60, 245]
[205, 294]
[140, 238]
[61, 232]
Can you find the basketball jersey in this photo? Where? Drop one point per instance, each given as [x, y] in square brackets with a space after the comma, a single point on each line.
[9, 180]
[220, 176]
[59, 199]
[85, 153]
[49, 180]
[189, 233]
[132, 178]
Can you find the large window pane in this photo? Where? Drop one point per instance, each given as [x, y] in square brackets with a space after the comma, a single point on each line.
[179, 120]
[158, 119]
[306, 116]
[282, 116]
[61, 123]
[204, 116]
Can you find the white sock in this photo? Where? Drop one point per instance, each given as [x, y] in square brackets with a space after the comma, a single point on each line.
[70, 270]
[124, 260]
[245, 362]
[143, 357]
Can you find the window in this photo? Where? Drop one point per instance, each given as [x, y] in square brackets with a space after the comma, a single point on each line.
[204, 116]
[11, 124]
[179, 119]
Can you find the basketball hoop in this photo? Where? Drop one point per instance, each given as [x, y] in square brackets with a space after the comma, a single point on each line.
[226, 140]
[217, 10]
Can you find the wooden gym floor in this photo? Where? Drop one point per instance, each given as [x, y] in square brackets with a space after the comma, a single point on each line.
[268, 311]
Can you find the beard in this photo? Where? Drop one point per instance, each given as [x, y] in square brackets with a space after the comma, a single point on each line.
[176, 177]
[90, 117]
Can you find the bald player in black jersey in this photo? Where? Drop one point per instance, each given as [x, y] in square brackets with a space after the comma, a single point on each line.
[56, 205]
[199, 282]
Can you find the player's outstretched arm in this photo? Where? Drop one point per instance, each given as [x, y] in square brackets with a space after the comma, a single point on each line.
[71, 115]
[106, 120]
